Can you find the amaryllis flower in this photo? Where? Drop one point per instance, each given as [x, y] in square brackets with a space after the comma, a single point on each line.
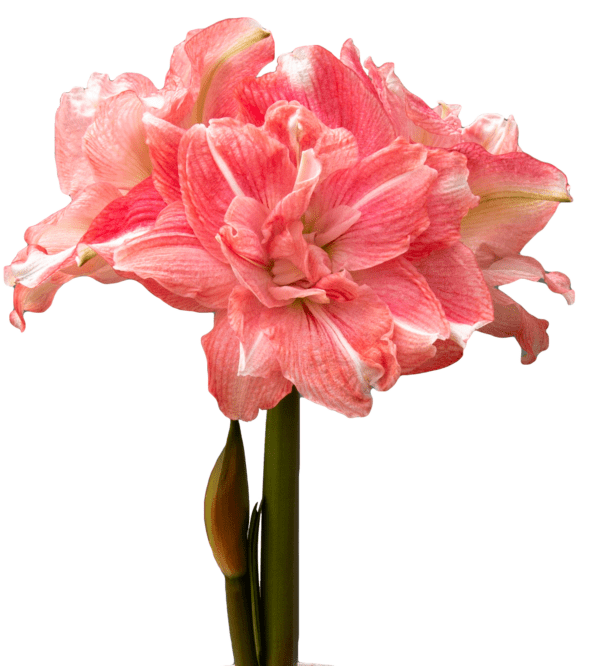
[102, 153]
[342, 231]
[313, 257]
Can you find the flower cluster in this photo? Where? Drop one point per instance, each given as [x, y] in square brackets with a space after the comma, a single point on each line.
[342, 231]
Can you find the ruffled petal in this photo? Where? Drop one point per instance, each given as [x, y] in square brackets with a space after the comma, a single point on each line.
[419, 318]
[205, 192]
[163, 140]
[449, 199]
[300, 130]
[76, 113]
[412, 118]
[316, 79]
[123, 219]
[517, 196]
[115, 143]
[495, 133]
[389, 189]
[253, 163]
[335, 353]
[212, 61]
[239, 396]
[171, 255]
[40, 297]
[52, 243]
[455, 278]
[509, 269]
[512, 320]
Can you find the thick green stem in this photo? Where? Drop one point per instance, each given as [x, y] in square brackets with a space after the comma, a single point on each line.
[280, 526]
[237, 591]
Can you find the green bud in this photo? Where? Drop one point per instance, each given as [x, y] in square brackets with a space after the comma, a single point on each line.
[227, 507]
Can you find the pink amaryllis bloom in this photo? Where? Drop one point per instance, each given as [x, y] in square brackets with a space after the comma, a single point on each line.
[314, 258]
[102, 151]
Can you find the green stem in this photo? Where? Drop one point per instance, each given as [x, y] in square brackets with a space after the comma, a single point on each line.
[279, 542]
[239, 612]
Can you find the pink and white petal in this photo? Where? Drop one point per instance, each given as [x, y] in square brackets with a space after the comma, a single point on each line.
[391, 215]
[412, 118]
[350, 56]
[38, 299]
[283, 230]
[52, 243]
[171, 255]
[205, 192]
[493, 132]
[512, 320]
[125, 218]
[163, 140]
[73, 117]
[169, 297]
[220, 57]
[408, 295]
[65, 228]
[447, 352]
[115, 143]
[515, 267]
[335, 353]
[247, 213]
[300, 130]
[455, 278]
[314, 77]
[518, 195]
[449, 199]
[559, 283]
[253, 163]
[254, 277]
[33, 265]
[257, 356]
[239, 396]
[419, 318]
[370, 174]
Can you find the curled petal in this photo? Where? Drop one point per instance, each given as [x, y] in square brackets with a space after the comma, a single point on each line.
[419, 318]
[389, 189]
[316, 79]
[239, 396]
[509, 269]
[447, 352]
[412, 118]
[40, 297]
[455, 278]
[52, 243]
[171, 255]
[512, 320]
[76, 113]
[115, 143]
[163, 140]
[449, 199]
[218, 58]
[335, 353]
[300, 130]
[493, 132]
[124, 218]
[517, 196]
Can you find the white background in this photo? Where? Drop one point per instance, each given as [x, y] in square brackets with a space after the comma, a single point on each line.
[456, 525]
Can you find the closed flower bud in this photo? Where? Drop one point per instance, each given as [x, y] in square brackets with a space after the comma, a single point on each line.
[227, 506]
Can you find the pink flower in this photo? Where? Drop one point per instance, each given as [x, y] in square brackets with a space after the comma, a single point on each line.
[343, 232]
[102, 151]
